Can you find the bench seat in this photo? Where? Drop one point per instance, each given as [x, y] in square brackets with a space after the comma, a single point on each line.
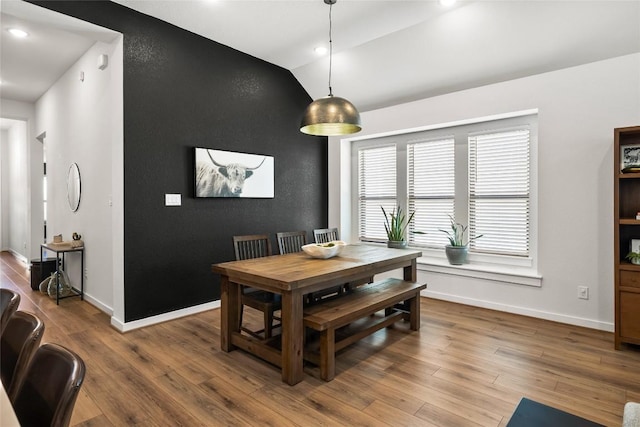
[360, 303]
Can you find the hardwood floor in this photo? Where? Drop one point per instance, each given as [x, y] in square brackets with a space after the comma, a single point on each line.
[465, 367]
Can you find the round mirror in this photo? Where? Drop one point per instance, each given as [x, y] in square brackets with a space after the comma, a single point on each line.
[73, 187]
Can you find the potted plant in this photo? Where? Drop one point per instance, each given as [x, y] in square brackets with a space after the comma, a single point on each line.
[458, 249]
[395, 224]
[633, 257]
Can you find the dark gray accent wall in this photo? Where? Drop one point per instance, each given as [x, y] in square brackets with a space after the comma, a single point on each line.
[183, 91]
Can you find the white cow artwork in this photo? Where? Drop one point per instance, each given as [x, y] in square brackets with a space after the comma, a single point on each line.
[228, 174]
[631, 155]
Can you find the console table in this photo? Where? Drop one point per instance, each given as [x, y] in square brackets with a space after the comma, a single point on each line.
[60, 252]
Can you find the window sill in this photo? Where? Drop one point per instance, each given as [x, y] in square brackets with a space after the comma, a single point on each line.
[494, 273]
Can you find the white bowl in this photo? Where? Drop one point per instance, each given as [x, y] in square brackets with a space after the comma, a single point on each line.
[324, 250]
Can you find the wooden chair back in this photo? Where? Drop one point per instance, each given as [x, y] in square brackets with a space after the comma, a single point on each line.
[324, 235]
[291, 241]
[252, 246]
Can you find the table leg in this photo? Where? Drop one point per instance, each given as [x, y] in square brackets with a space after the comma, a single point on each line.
[229, 312]
[411, 271]
[292, 337]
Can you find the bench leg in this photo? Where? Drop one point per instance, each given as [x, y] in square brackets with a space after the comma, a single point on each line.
[414, 310]
[268, 323]
[328, 354]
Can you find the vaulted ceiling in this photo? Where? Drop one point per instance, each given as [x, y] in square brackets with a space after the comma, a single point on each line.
[385, 52]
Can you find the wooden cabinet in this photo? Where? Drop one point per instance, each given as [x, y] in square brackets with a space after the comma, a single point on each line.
[626, 229]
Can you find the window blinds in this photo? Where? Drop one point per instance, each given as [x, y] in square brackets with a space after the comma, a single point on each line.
[499, 193]
[431, 168]
[376, 188]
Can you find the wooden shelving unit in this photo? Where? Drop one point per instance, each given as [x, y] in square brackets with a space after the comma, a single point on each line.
[626, 228]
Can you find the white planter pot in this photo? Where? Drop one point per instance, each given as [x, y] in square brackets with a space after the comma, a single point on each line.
[457, 255]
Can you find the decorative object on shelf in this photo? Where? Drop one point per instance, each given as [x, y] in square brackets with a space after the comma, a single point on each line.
[458, 249]
[631, 169]
[630, 158]
[77, 240]
[396, 224]
[324, 250]
[44, 285]
[633, 257]
[330, 115]
[62, 286]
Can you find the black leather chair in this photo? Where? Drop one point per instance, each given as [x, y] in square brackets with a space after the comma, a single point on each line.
[9, 301]
[48, 393]
[18, 343]
[256, 246]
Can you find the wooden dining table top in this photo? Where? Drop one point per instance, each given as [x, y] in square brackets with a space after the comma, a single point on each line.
[8, 416]
[298, 270]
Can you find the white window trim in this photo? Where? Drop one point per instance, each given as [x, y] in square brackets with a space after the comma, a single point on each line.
[500, 268]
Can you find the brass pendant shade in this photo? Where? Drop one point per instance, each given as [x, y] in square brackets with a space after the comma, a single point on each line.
[330, 116]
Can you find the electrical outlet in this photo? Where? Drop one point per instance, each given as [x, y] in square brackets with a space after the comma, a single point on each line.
[583, 292]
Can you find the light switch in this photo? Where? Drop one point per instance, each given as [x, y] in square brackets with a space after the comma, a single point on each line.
[172, 200]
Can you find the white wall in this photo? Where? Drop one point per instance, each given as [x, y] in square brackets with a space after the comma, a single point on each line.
[18, 188]
[578, 109]
[84, 124]
[18, 198]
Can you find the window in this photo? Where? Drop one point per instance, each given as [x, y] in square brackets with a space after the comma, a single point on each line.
[377, 187]
[499, 191]
[477, 173]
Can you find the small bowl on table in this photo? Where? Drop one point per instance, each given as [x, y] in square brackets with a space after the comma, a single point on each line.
[324, 250]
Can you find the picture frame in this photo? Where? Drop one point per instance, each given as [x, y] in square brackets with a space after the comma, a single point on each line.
[634, 245]
[219, 173]
[630, 158]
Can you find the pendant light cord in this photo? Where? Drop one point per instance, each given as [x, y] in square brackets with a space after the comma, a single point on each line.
[330, 50]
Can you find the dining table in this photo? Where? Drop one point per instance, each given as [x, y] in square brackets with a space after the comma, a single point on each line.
[8, 416]
[292, 276]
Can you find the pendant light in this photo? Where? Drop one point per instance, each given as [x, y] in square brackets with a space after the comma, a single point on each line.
[330, 115]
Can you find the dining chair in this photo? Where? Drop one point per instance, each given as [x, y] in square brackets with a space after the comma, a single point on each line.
[256, 246]
[18, 343]
[291, 241]
[324, 235]
[48, 393]
[9, 301]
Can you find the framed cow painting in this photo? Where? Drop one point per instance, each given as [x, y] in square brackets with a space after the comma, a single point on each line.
[230, 174]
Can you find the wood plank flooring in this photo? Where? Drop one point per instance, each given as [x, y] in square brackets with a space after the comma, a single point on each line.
[465, 367]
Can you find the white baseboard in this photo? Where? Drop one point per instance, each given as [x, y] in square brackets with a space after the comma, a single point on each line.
[556, 317]
[98, 304]
[20, 257]
[136, 324]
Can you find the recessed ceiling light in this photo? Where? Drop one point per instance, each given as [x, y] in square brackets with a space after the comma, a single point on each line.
[18, 33]
[447, 3]
[320, 50]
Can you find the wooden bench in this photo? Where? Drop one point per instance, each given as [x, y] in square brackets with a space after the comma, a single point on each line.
[361, 303]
